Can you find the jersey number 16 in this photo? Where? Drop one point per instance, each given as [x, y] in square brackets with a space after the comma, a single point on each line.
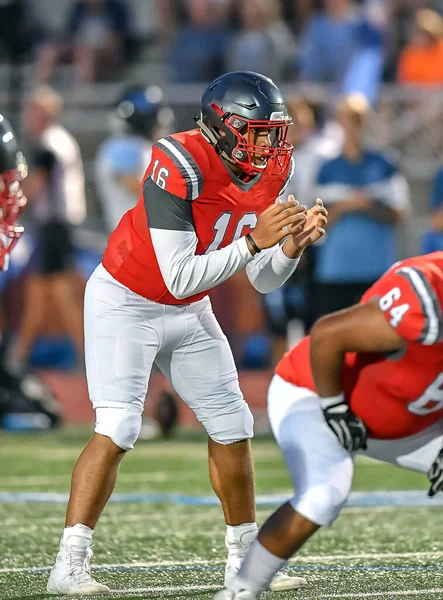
[221, 226]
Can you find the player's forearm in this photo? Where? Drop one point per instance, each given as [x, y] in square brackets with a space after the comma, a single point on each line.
[327, 359]
[270, 269]
[186, 273]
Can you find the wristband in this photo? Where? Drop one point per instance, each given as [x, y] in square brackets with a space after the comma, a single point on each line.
[327, 402]
[253, 244]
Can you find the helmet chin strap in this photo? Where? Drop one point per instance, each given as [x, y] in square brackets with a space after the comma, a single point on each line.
[210, 137]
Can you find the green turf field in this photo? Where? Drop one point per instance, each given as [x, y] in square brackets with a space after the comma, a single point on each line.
[167, 550]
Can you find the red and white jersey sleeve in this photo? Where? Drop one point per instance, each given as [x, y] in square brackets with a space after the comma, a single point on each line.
[174, 182]
[410, 304]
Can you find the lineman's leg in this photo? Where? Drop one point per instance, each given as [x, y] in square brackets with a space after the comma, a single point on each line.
[121, 344]
[321, 472]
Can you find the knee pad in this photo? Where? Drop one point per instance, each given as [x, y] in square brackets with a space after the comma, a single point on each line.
[321, 504]
[236, 425]
[121, 425]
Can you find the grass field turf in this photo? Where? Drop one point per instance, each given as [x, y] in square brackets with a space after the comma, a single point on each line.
[165, 550]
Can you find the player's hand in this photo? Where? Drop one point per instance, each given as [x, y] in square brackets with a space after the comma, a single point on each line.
[435, 475]
[313, 229]
[349, 429]
[272, 223]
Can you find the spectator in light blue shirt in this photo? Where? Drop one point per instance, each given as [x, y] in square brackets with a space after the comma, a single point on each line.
[433, 239]
[366, 196]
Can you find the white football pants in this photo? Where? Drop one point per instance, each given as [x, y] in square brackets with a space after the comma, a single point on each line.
[126, 333]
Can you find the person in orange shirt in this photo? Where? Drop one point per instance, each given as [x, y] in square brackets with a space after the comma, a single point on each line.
[421, 62]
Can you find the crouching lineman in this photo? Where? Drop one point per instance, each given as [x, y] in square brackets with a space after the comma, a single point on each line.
[368, 379]
[206, 210]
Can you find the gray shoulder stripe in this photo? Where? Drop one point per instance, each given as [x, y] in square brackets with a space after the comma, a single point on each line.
[433, 327]
[186, 165]
[435, 304]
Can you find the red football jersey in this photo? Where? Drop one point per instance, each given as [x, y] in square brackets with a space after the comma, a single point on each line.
[400, 394]
[223, 210]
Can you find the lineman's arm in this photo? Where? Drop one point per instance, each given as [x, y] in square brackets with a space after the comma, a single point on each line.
[361, 328]
[405, 308]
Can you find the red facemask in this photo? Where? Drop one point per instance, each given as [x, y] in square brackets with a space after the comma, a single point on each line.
[274, 157]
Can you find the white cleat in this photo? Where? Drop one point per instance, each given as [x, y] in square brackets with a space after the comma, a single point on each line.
[71, 574]
[236, 553]
[283, 582]
[227, 595]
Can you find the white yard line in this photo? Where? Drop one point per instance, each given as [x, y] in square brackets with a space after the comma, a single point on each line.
[208, 587]
[318, 558]
[168, 589]
[371, 556]
[386, 594]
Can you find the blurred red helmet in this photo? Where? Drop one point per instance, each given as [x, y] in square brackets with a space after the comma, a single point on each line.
[13, 169]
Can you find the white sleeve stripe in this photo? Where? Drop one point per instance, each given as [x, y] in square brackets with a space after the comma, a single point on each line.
[190, 173]
[432, 329]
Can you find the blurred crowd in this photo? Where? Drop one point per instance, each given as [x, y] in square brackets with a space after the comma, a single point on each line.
[354, 46]
[345, 42]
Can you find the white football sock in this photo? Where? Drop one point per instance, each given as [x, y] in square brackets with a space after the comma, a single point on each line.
[241, 534]
[81, 532]
[258, 569]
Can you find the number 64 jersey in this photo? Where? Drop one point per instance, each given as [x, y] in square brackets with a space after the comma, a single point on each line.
[400, 394]
[190, 204]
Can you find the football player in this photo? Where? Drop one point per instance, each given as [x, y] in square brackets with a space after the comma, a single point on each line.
[368, 379]
[206, 210]
[13, 169]
[139, 118]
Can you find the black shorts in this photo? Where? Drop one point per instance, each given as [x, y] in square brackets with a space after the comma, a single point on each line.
[55, 250]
